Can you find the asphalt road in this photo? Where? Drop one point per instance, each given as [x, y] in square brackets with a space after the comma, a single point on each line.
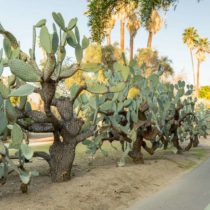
[189, 192]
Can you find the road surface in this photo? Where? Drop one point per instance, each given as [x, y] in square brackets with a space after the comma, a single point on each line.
[189, 192]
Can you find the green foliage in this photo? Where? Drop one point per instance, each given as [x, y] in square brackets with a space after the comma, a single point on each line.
[26, 151]
[90, 67]
[156, 110]
[58, 18]
[71, 39]
[41, 23]
[24, 71]
[152, 61]
[15, 117]
[147, 6]
[204, 92]
[97, 88]
[3, 122]
[99, 13]
[16, 136]
[72, 23]
[85, 42]
[7, 47]
[4, 90]
[23, 90]
[45, 40]
[124, 70]
[79, 53]
[119, 114]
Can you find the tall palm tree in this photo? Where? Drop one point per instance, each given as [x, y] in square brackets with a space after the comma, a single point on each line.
[109, 26]
[122, 12]
[202, 47]
[153, 25]
[133, 25]
[190, 36]
[165, 64]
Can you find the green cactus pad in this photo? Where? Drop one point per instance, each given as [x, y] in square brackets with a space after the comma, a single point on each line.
[26, 151]
[16, 136]
[97, 88]
[3, 122]
[24, 71]
[4, 90]
[45, 39]
[23, 90]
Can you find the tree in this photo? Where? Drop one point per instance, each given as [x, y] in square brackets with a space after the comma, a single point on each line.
[150, 17]
[147, 7]
[204, 92]
[202, 47]
[165, 64]
[153, 25]
[93, 53]
[109, 26]
[190, 37]
[67, 127]
[147, 109]
[100, 12]
[122, 11]
[158, 112]
[152, 62]
[67, 114]
[133, 25]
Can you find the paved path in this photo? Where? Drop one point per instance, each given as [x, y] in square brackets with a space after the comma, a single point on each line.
[189, 192]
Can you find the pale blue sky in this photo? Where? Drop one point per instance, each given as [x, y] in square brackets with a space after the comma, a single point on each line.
[18, 16]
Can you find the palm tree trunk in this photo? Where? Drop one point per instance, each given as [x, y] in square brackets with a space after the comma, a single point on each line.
[193, 66]
[131, 46]
[149, 42]
[122, 35]
[108, 39]
[198, 79]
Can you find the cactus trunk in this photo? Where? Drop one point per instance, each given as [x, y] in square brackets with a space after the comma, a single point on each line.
[195, 141]
[136, 154]
[62, 157]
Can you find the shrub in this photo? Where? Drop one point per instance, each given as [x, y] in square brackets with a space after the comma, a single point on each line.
[204, 92]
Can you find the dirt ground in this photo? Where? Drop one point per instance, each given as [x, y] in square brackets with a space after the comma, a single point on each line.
[97, 184]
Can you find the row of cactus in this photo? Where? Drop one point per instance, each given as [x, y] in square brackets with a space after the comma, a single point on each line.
[91, 113]
[159, 112]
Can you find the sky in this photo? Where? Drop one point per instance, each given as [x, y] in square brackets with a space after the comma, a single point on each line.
[18, 16]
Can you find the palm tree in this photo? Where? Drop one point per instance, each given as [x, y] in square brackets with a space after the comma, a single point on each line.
[121, 14]
[190, 36]
[133, 25]
[153, 62]
[153, 25]
[109, 26]
[202, 47]
[165, 65]
[123, 10]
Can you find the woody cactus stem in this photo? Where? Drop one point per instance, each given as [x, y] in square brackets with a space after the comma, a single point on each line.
[67, 127]
[66, 131]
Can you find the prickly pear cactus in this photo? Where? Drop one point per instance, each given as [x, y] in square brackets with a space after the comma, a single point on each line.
[159, 112]
[17, 117]
[14, 145]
